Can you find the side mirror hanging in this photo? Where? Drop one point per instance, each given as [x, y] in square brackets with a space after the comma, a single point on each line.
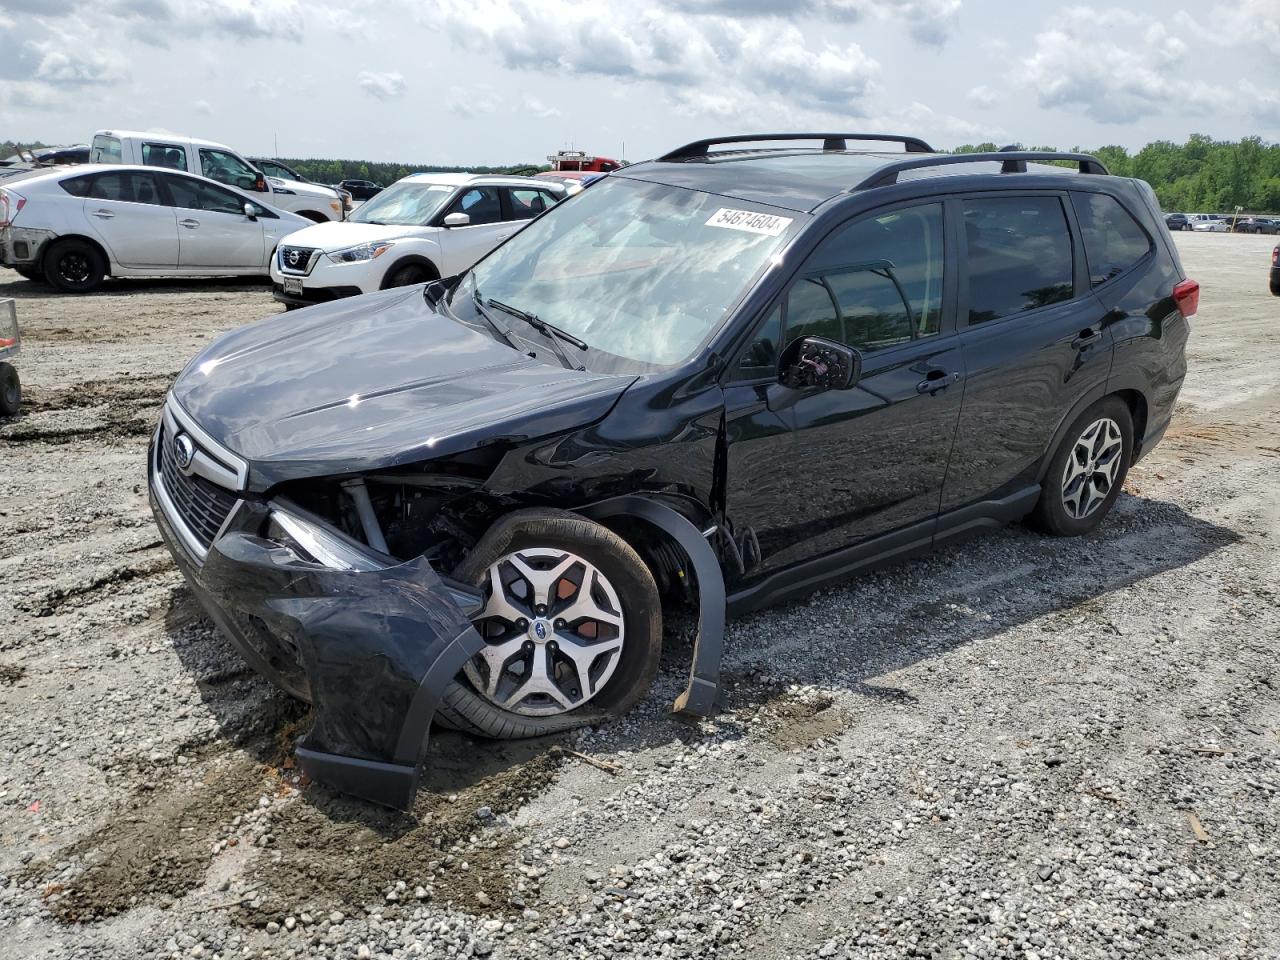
[816, 363]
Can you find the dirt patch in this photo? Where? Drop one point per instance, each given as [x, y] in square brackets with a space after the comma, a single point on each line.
[331, 851]
[793, 723]
[157, 849]
[119, 408]
[52, 601]
[11, 673]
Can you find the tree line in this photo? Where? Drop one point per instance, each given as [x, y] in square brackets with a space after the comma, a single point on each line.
[1202, 175]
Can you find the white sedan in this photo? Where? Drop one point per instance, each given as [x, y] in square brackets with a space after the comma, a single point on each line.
[1211, 226]
[74, 226]
[421, 228]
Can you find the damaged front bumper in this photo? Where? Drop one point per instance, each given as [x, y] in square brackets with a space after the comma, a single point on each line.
[372, 643]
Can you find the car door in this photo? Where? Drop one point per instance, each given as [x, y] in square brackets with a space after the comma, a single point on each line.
[1035, 340]
[525, 203]
[213, 231]
[460, 247]
[812, 473]
[127, 212]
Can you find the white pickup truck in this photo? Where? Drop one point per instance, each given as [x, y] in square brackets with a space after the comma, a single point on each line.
[217, 162]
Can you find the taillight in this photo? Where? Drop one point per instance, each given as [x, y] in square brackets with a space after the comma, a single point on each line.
[1275, 257]
[1187, 297]
[10, 204]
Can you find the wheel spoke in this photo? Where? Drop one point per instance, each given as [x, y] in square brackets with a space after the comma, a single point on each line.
[496, 657]
[541, 581]
[499, 603]
[585, 607]
[539, 681]
[583, 656]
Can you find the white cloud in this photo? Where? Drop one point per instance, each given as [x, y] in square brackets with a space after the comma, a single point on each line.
[983, 96]
[927, 21]
[680, 52]
[1115, 82]
[534, 106]
[384, 86]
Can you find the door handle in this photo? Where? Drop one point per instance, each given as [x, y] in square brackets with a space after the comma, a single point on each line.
[103, 214]
[189, 223]
[935, 380]
[1086, 338]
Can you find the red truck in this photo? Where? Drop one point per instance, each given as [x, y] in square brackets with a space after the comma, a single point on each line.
[577, 160]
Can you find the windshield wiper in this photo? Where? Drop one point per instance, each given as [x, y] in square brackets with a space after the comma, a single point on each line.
[498, 328]
[553, 333]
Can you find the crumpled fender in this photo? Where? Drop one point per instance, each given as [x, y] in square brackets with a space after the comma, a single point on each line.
[376, 648]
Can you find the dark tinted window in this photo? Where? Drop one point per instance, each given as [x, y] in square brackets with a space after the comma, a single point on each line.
[164, 155]
[1113, 241]
[76, 186]
[481, 204]
[529, 203]
[126, 186]
[761, 356]
[1019, 255]
[193, 194]
[874, 283]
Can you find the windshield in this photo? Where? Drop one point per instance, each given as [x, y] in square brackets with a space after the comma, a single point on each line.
[405, 204]
[641, 271]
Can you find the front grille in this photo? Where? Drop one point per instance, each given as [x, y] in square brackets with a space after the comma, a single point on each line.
[201, 505]
[297, 260]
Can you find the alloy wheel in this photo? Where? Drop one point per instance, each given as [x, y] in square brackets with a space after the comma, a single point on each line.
[1092, 467]
[553, 630]
[74, 268]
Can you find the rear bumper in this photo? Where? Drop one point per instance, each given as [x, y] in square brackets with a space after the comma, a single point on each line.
[22, 246]
[373, 649]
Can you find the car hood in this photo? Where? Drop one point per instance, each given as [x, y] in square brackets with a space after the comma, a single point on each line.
[374, 382]
[336, 235]
[305, 189]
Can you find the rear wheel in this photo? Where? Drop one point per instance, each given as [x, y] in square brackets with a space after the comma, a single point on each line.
[572, 626]
[1087, 471]
[74, 266]
[10, 390]
[34, 274]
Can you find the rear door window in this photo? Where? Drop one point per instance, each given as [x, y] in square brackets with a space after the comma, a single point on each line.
[192, 194]
[105, 150]
[1019, 255]
[164, 155]
[127, 186]
[528, 203]
[1113, 240]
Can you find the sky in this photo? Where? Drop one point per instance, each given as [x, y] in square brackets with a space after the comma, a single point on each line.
[507, 81]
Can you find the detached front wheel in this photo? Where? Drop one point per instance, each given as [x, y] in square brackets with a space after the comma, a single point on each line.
[572, 626]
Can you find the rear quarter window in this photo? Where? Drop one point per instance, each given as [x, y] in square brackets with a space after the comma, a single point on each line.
[1113, 240]
[76, 186]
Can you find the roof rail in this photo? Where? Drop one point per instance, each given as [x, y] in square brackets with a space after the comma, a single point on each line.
[1011, 161]
[699, 149]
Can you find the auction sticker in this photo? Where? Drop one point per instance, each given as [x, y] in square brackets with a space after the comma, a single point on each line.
[749, 221]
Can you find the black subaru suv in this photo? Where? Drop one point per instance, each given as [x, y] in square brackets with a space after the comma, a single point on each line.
[733, 374]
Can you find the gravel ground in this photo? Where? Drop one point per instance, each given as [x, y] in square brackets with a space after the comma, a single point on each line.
[1020, 747]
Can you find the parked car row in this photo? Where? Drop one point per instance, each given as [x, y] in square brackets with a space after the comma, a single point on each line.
[1221, 223]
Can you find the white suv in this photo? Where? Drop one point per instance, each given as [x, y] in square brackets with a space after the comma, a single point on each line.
[421, 228]
[217, 162]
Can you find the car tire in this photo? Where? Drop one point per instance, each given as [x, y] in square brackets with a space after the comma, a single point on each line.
[406, 275]
[74, 266]
[313, 216]
[34, 274]
[1087, 471]
[610, 569]
[10, 390]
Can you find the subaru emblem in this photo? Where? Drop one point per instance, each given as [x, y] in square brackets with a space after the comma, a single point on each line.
[185, 450]
[540, 629]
